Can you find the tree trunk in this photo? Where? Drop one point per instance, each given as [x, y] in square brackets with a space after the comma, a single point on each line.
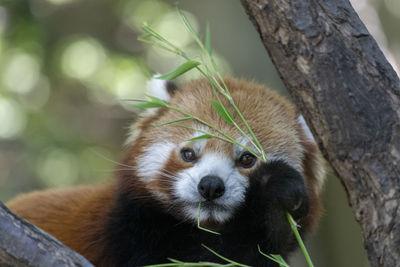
[349, 96]
[22, 244]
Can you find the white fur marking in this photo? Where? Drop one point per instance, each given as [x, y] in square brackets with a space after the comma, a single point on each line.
[133, 134]
[158, 88]
[238, 150]
[211, 164]
[153, 160]
[199, 144]
[271, 155]
[192, 212]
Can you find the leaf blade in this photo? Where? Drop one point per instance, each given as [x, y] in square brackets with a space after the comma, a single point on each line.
[207, 42]
[274, 257]
[223, 112]
[203, 136]
[153, 102]
[147, 105]
[185, 67]
[174, 121]
[157, 100]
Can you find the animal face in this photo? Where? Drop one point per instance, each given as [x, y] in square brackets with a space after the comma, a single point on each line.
[183, 174]
[179, 171]
[214, 178]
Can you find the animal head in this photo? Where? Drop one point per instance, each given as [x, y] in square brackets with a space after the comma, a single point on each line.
[178, 173]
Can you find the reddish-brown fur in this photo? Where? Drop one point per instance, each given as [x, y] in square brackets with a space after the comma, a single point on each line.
[76, 216]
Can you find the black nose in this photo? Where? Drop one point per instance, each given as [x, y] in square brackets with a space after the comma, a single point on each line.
[211, 187]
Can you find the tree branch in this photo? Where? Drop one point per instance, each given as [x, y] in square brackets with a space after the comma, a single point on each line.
[349, 96]
[22, 244]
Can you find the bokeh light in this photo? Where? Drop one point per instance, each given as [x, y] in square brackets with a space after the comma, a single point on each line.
[60, 2]
[125, 77]
[12, 118]
[135, 13]
[171, 28]
[96, 164]
[82, 58]
[58, 167]
[21, 71]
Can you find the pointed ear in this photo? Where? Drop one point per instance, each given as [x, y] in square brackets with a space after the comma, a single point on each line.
[313, 162]
[160, 88]
[313, 170]
[304, 128]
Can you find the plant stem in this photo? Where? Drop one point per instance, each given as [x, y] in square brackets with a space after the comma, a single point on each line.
[202, 228]
[293, 225]
[225, 259]
[227, 137]
[230, 140]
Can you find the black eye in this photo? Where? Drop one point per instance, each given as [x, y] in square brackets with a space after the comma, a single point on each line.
[188, 154]
[247, 160]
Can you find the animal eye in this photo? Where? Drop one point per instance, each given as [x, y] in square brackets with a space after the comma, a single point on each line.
[188, 154]
[247, 160]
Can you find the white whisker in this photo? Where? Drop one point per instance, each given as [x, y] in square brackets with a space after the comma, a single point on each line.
[110, 160]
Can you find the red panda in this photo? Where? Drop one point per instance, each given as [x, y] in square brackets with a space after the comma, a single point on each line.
[149, 212]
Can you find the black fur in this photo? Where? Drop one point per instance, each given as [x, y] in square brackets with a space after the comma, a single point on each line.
[171, 87]
[140, 232]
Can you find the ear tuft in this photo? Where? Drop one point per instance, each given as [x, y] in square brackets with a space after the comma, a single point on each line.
[313, 163]
[305, 128]
[158, 88]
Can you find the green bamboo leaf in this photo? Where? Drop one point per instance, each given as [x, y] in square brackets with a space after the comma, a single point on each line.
[223, 258]
[207, 42]
[144, 36]
[274, 257]
[173, 260]
[154, 102]
[204, 136]
[157, 100]
[179, 71]
[222, 111]
[174, 121]
[280, 260]
[149, 104]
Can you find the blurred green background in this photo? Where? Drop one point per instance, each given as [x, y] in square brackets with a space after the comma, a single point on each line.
[66, 65]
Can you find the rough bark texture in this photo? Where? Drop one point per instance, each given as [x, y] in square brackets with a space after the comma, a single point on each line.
[349, 96]
[22, 244]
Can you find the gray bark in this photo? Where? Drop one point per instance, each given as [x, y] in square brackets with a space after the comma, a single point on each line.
[349, 96]
[22, 244]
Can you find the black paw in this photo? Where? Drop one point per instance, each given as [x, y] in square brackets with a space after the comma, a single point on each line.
[281, 186]
[295, 201]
